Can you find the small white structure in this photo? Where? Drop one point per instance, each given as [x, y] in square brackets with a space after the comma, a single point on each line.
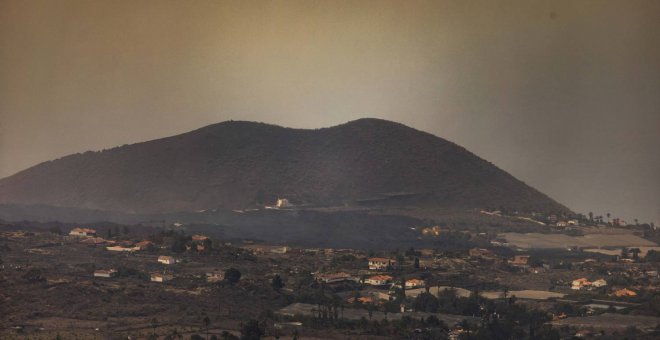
[161, 277]
[83, 232]
[215, 276]
[166, 259]
[380, 263]
[105, 273]
[280, 250]
[120, 248]
[282, 203]
[378, 280]
[333, 277]
[414, 283]
[599, 283]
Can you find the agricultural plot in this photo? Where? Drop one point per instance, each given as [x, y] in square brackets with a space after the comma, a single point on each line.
[558, 241]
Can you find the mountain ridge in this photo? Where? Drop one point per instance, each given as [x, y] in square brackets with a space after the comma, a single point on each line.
[241, 164]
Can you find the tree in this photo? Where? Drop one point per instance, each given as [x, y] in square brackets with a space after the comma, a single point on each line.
[174, 335]
[277, 283]
[232, 275]
[179, 245]
[416, 263]
[399, 261]
[208, 244]
[154, 324]
[653, 256]
[227, 336]
[635, 253]
[535, 262]
[251, 330]
[206, 322]
[426, 302]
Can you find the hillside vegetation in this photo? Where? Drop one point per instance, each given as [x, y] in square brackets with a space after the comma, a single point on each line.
[238, 165]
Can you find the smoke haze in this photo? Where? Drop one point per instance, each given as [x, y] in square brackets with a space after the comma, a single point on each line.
[562, 94]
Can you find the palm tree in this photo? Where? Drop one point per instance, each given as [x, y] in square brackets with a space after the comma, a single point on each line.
[608, 218]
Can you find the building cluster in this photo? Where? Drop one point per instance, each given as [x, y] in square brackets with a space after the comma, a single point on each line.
[381, 279]
[89, 236]
[584, 283]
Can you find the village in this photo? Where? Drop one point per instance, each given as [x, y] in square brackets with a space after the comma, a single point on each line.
[102, 282]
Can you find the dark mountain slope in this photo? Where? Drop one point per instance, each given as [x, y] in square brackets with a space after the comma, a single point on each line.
[240, 164]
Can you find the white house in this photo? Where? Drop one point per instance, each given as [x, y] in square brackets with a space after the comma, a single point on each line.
[120, 248]
[283, 203]
[333, 277]
[166, 260]
[414, 283]
[105, 273]
[599, 283]
[378, 280]
[215, 276]
[161, 277]
[380, 263]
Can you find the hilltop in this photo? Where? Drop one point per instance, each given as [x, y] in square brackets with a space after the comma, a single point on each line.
[239, 165]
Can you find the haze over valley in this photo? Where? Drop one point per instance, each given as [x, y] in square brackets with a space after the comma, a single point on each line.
[304, 169]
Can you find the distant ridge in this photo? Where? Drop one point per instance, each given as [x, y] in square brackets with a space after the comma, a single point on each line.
[238, 164]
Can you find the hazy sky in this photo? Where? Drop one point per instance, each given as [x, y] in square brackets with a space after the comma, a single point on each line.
[564, 95]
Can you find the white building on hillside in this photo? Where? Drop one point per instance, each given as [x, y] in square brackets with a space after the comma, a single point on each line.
[166, 260]
[380, 263]
[82, 232]
[161, 277]
[105, 273]
[414, 283]
[378, 280]
[283, 203]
